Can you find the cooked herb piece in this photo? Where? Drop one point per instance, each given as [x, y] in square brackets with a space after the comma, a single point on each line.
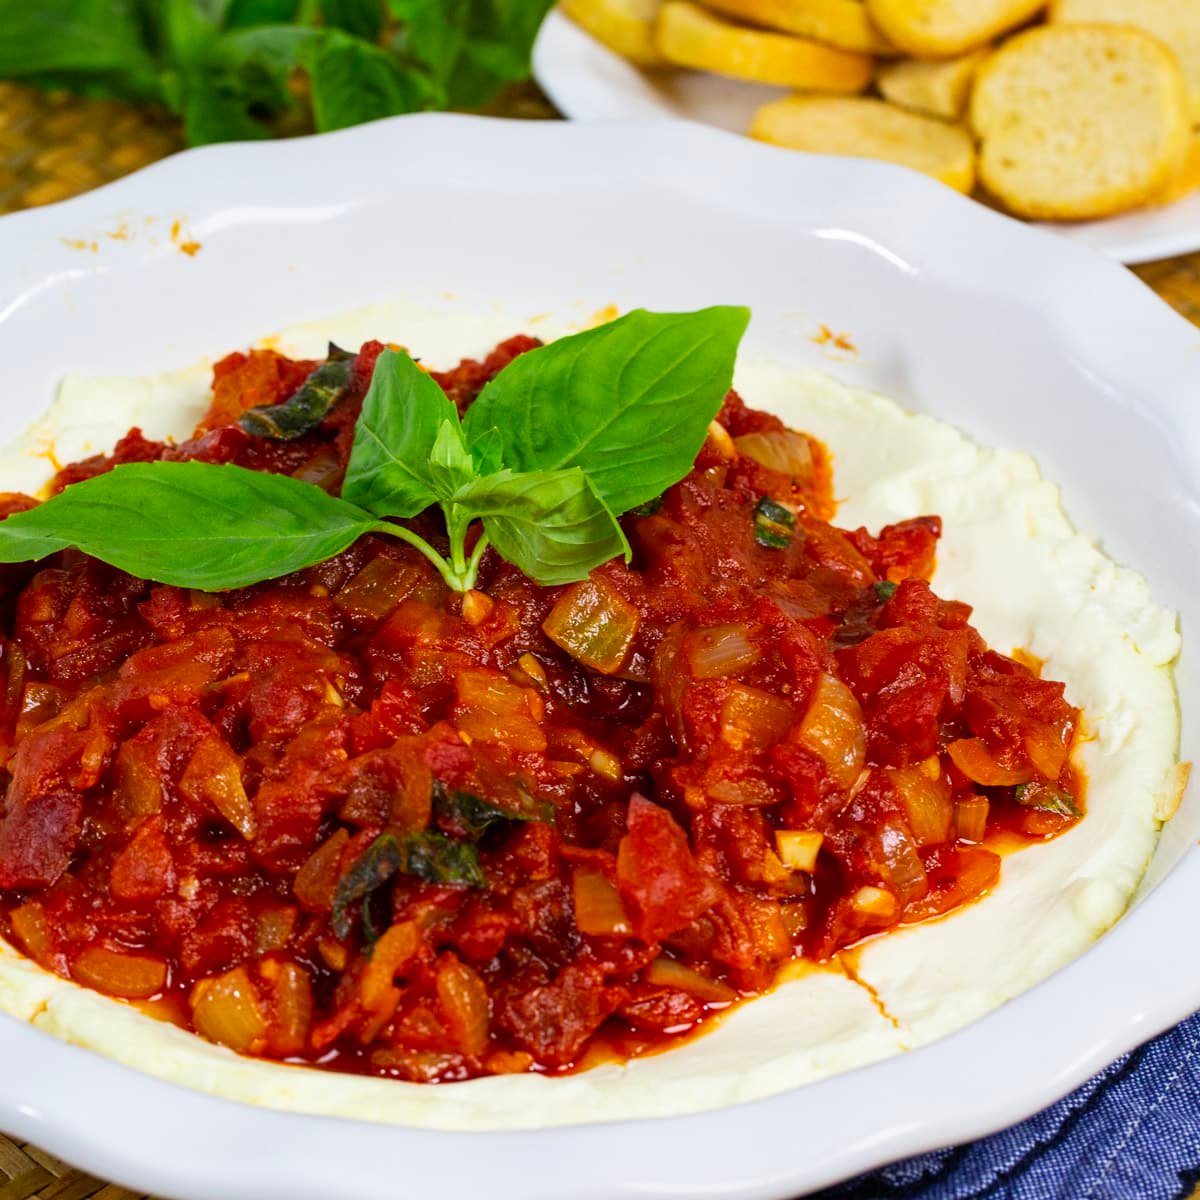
[885, 589]
[1047, 797]
[303, 411]
[773, 524]
[648, 509]
[473, 816]
[436, 858]
[377, 864]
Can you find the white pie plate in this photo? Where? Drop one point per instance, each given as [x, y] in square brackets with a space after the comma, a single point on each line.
[589, 82]
[1023, 339]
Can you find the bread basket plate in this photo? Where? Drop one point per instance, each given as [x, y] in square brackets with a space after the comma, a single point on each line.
[589, 82]
[1020, 339]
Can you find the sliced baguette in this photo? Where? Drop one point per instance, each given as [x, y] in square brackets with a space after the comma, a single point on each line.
[626, 26]
[865, 128]
[1174, 22]
[946, 28]
[1188, 179]
[940, 88]
[1079, 121]
[841, 23]
[691, 37]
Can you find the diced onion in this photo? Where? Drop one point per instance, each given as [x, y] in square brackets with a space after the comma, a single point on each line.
[720, 650]
[599, 911]
[31, 928]
[464, 999]
[970, 818]
[973, 758]
[754, 718]
[874, 902]
[477, 607]
[721, 439]
[669, 972]
[317, 879]
[594, 624]
[130, 976]
[782, 450]
[1046, 751]
[378, 589]
[492, 708]
[798, 848]
[926, 801]
[833, 730]
[906, 872]
[393, 952]
[214, 776]
[226, 1010]
[293, 1004]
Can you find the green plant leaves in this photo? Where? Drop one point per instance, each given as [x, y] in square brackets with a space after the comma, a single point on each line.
[561, 441]
[402, 414]
[308, 406]
[189, 56]
[629, 402]
[550, 524]
[190, 524]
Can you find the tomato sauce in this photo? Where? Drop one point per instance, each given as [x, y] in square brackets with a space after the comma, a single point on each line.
[353, 819]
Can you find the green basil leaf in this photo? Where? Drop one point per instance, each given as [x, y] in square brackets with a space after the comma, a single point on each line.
[450, 463]
[242, 14]
[377, 864]
[90, 37]
[353, 81]
[885, 589]
[190, 524]
[629, 402]
[472, 48]
[362, 18]
[773, 524]
[488, 453]
[308, 406]
[472, 816]
[403, 412]
[435, 858]
[550, 524]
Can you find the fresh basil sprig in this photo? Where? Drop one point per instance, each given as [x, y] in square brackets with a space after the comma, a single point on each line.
[570, 435]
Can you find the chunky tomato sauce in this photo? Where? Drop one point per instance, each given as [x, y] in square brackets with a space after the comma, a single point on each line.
[352, 818]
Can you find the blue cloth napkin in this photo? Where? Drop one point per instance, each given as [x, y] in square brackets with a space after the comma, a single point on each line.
[1132, 1133]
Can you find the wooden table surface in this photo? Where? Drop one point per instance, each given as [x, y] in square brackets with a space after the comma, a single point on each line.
[53, 146]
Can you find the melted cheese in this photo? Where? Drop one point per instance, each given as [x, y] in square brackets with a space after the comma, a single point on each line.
[1007, 548]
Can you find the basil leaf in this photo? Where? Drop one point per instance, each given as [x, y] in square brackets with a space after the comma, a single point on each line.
[99, 37]
[402, 414]
[190, 524]
[362, 18]
[308, 406]
[435, 858]
[550, 524]
[885, 589]
[629, 402]
[450, 463]
[472, 816]
[472, 48]
[374, 867]
[353, 81]
[488, 453]
[773, 524]
[243, 13]
[1044, 796]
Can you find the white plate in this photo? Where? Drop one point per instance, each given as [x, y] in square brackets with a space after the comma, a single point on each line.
[589, 82]
[1023, 339]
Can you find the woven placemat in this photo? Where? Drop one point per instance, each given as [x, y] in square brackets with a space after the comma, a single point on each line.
[53, 146]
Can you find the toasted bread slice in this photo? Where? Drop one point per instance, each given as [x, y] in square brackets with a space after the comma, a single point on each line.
[946, 28]
[1079, 121]
[840, 23]
[1175, 22]
[691, 37]
[1188, 179]
[940, 88]
[626, 26]
[864, 128]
